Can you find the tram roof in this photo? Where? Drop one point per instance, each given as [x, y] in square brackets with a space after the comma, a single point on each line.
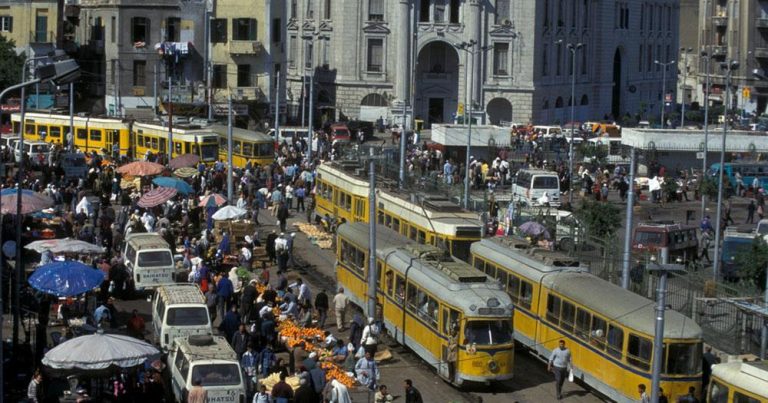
[619, 305]
[749, 376]
[242, 134]
[533, 263]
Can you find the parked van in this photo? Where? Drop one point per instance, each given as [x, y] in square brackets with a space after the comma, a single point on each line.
[211, 360]
[547, 132]
[668, 241]
[532, 184]
[39, 152]
[287, 133]
[340, 132]
[179, 310]
[8, 141]
[149, 259]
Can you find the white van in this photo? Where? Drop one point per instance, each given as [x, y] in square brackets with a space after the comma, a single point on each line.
[547, 132]
[149, 259]
[531, 184]
[39, 152]
[179, 310]
[211, 360]
[287, 133]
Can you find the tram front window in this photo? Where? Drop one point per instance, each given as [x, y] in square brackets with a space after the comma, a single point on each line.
[209, 152]
[485, 332]
[460, 249]
[684, 359]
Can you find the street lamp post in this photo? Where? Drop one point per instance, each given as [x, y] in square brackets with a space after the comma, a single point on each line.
[573, 49]
[311, 62]
[729, 68]
[658, 340]
[685, 73]
[467, 47]
[760, 75]
[663, 85]
[703, 177]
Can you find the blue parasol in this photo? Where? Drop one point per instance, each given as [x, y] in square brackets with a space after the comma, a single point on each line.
[178, 184]
[65, 279]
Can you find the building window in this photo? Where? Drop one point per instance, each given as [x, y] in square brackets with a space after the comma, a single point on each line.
[139, 30]
[558, 59]
[439, 11]
[139, 73]
[326, 53]
[584, 59]
[308, 55]
[97, 30]
[649, 60]
[424, 12]
[585, 14]
[545, 60]
[455, 6]
[172, 27]
[310, 9]
[375, 55]
[294, 7]
[501, 59]
[113, 30]
[41, 27]
[292, 45]
[546, 13]
[560, 14]
[219, 76]
[219, 30]
[375, 10]
[640, 59]
[6, 23]
[327, 10]
[502, 11]
[243, 75]
[276, 30]
[244, 29]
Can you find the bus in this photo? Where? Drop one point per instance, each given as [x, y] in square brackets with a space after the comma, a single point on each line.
[425, 296]
[432, 220]
[247, 145]
[749, 171]
[740, 382]
[736, 241]
[609, 330]
[669, 242]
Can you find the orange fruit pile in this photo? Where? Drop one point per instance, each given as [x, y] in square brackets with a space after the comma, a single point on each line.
[333, 371]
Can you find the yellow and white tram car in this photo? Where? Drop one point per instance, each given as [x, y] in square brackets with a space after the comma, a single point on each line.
[202, 142]
[247, 145]
[609, 330]
[739, 382]
[91, 134]
[339, 193]
[424, 294]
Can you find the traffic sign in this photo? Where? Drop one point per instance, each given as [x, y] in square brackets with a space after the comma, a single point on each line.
[460, 110]
[745, 93]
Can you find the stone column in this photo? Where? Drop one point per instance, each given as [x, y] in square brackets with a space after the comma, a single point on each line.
[402, 50]
[474, 31]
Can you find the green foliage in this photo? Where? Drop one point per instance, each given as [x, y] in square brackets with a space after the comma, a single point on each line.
[10, 64]
[752, 263]
[243, 273]
[593, 152]
[600, 219]
[708, 187]
[669, 188]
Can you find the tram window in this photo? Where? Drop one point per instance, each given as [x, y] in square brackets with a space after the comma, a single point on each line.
[177, 147]
[421, 237]
[442, 243]
[247, 149]
[390, 280]
[223, 143]
[266, 149]
[450, 320]
[95, 135]
[718, 393]
[479, 264]
[513, 289]
[359, 208]
[42, 129]
[428, 309]
[738, 397]
[684, 359]
[553, 309]
[597, 332]
[154, 143]
[237, 147]
[140, 141]
[490, 270]
[379, 272]
[639, 351]
[412, 232]
[501, 275]
[29, 128]
[396, 224]
[55, 132]
[582, 323]
[81, 134]
[566, 317]
[412, 298]
[615, 341]
[380, 218]
[399, 290]
[526, 294]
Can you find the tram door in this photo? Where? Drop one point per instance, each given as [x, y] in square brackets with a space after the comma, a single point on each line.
[450, 320]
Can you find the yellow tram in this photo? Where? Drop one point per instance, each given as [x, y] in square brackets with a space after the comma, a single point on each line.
[609, 330]
[739, 382]
[186, 140]
[247, 145]
[432, 221]
[423, 295]
[91, 134]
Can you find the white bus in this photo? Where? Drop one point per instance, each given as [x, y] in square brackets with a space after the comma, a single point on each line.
[149, 259]
[210, 360]
[179, 310]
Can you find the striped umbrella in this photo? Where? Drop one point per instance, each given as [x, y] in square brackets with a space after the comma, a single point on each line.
[212, 200]
[156, 197]
[141, 168]
[30, 201]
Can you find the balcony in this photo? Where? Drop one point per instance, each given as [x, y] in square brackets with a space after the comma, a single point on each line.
[719, 20]
[245, 47]
[719, 51]
[433, 77]
[248, 94]
[761, 53]
[761, 22]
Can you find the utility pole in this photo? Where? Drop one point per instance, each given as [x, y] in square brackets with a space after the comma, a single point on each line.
[72, 114]
[154, 92]
[303, 98]
[403, 147]
[230, 190]
[170, 117]
[628, 225]
[706, 134]
[573, 48]
[207, 62]
[118, 101]
[311, 122]
[685, 74]
[373, 274]
[277, 111]
[663, 86]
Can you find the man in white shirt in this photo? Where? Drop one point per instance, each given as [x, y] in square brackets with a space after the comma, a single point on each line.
[340, 306]
[305, 294]
[559, 363]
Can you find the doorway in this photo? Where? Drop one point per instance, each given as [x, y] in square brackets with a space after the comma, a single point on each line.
[436, 110]
[616, 101]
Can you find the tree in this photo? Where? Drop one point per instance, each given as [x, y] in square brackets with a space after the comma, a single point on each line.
[10, 63]
[601, 220]
[752, 263]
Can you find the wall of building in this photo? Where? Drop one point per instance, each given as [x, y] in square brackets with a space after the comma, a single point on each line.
[18, 22]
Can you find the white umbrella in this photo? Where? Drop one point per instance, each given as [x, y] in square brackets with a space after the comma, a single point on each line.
[229, 213]
[66, 245]
[99, 351]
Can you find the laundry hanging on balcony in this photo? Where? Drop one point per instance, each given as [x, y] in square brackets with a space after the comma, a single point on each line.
[173, 49]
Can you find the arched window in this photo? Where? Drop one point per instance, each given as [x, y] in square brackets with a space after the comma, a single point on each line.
[559, 103]
[546, 104]
[584, 100]
[374, 100]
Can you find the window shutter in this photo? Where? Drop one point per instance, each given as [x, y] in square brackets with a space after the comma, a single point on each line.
[10, 24]
[252, 33]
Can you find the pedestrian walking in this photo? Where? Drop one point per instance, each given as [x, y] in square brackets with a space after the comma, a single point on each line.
[340, 307]
[644, 398]
[706, 240]
[321, 305]
[34, 390]
[751, 212]
[197, 394]
[370, 338]
[412, 395]
[559, 364]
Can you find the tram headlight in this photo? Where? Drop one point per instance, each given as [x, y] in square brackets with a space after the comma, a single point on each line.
[493, 366]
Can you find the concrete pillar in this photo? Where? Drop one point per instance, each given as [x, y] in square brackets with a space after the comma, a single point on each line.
[403, 36]
[475, 32]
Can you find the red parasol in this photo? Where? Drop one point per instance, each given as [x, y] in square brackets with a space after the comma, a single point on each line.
[156, 197]
[141, 168]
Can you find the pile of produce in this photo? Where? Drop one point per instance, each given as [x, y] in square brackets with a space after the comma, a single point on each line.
[316, 235]
[273, 379]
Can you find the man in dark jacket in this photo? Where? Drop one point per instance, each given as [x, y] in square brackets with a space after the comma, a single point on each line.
[304, 393]
[282, 216]
[240, 341]
[247, 300]
[321, 304]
